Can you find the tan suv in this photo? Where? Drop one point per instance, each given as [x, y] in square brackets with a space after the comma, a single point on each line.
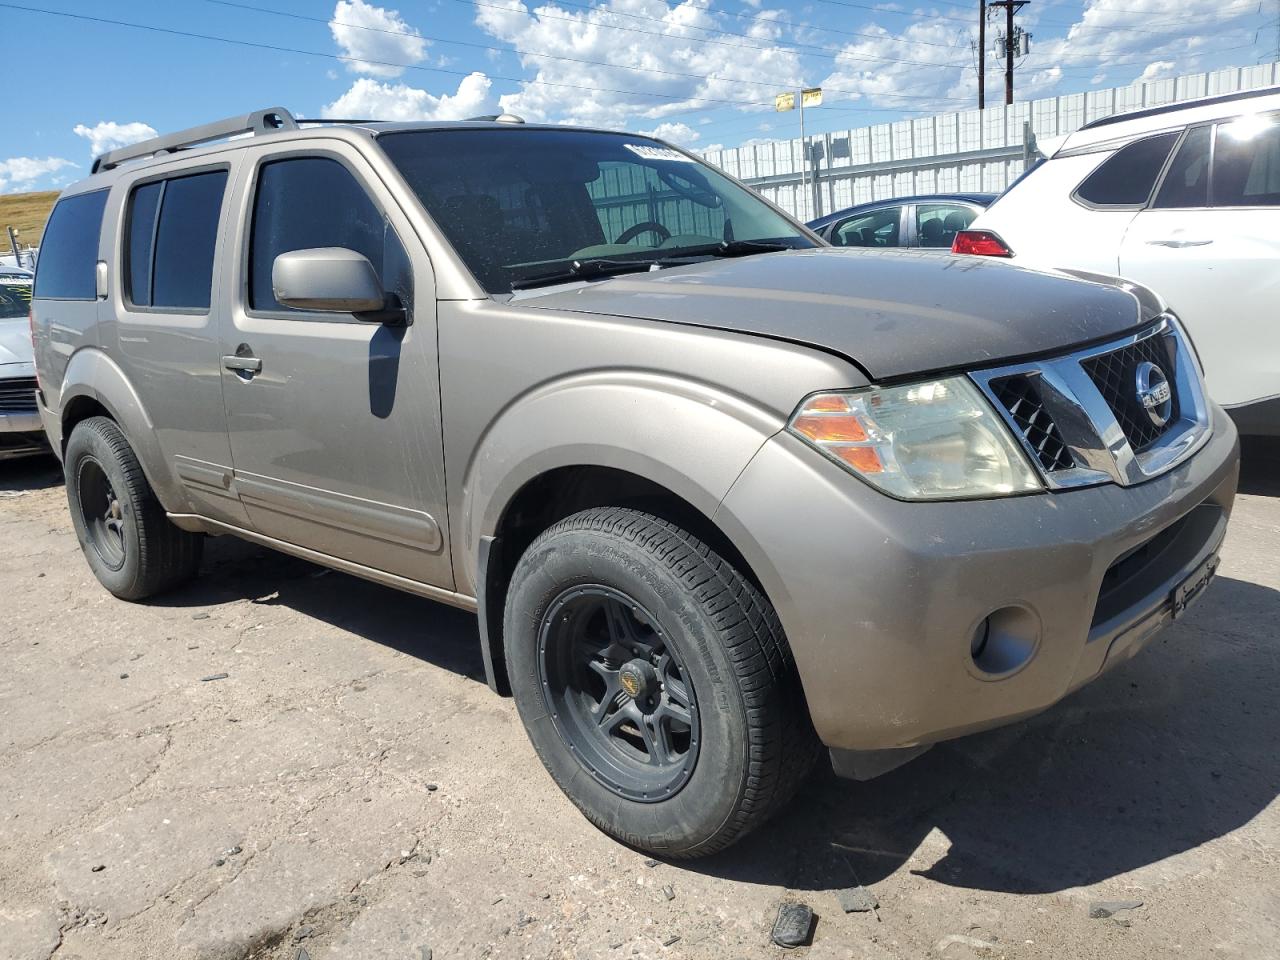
[720, 494]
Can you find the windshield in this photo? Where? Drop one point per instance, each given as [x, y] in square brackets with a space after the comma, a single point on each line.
[518, 204]
[15, 296]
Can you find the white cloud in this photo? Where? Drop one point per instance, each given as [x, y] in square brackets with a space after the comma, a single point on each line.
[109, 135]
[369, 99]
[21, 173]
[673, 57]
[1157, 70]
[366, 32]
[680, 133]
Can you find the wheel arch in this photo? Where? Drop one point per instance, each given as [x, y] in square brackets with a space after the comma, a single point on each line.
[560, 492]
[94, 385]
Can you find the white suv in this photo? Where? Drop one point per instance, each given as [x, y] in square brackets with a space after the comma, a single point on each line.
[1184, 199]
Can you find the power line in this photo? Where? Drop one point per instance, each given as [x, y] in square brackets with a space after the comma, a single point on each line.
[275, 48]
[967, 20]
[754, 18]
[830, 52]
[546, 56]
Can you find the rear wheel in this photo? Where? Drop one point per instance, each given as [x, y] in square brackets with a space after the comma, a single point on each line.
[131, 546]
[655, 682]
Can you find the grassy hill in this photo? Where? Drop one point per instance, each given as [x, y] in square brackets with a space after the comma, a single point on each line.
[27, 213]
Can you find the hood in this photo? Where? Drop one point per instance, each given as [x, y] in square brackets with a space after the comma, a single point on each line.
[894, 313]
[15, 341]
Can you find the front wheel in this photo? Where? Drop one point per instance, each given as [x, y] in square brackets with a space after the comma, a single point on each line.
[655, 682]
[132, 547]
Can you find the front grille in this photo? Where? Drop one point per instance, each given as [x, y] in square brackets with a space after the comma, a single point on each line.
[1115, 375]
[18, 395]
[1021, 397]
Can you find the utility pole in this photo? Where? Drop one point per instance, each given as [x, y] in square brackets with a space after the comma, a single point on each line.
[982, 54]
[1011, 41]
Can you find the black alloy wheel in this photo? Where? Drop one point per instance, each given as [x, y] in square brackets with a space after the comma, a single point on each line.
[619, 696]
[102, 513]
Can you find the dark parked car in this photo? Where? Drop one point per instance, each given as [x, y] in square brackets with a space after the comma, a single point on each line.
[929, 222]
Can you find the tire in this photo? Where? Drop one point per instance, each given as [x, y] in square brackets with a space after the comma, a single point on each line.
[131, 546]
[680, 782]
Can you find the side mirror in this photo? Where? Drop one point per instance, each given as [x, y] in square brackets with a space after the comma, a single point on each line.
[333, 280]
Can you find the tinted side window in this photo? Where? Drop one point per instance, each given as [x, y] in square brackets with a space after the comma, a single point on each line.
[69, 249]
[1187, 182]
[938, 223]
[185, 238]
[1125, 179]
[143, 207]
[312, 202]
[876, 229]
[1246, 163]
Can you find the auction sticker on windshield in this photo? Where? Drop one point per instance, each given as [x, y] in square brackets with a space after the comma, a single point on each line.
[649, 152]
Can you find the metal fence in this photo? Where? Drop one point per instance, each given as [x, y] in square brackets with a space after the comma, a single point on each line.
[969, 151]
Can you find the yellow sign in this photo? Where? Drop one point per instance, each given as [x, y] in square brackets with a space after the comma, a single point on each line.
[811, 97]
[784, 101]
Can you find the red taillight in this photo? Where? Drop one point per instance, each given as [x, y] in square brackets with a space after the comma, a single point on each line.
[980, 243]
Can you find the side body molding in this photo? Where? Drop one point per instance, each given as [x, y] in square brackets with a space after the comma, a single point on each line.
[92, 374]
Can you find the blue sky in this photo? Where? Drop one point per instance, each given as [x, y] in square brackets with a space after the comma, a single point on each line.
[701, 72]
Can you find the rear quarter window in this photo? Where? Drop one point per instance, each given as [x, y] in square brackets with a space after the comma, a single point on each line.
[69, 249]
[1127, 177]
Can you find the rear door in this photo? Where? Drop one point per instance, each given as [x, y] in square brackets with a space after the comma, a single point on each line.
[335, 436]
[162, 311]
[1210, 245]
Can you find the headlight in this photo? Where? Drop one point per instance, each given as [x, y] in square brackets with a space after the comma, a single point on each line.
[937, 440]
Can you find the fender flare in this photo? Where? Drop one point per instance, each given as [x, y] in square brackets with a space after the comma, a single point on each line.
[688, 437]
[92, 374]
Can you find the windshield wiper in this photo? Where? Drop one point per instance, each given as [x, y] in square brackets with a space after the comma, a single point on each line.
[725, 248]
[582, 270]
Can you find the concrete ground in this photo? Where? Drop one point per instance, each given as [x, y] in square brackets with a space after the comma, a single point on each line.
[351, 789]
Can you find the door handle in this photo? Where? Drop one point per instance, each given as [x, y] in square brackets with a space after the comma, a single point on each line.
[1178, 244]
[243, 364]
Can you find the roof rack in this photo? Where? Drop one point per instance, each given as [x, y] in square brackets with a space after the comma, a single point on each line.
[269, 120]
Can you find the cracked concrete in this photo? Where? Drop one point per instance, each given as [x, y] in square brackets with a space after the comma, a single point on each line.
[288, 804]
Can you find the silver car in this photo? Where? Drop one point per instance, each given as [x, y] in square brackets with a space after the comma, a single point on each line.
[21, 432]
[722, 496]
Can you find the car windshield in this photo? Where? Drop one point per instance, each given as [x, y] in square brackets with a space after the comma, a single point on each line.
[15, 296]
[521, 204]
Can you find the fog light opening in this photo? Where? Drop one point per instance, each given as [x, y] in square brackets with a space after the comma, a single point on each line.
[1004, 642]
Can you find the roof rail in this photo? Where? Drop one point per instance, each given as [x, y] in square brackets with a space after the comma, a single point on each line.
[260, 121]
[497, 118]
[1181, 105]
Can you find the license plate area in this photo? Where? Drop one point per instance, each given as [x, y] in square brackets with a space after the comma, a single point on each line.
[1189, 590]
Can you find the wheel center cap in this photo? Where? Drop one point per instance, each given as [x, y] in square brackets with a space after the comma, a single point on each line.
[638, 679]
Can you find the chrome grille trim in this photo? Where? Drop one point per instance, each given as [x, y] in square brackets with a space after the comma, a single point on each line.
[1087, 423]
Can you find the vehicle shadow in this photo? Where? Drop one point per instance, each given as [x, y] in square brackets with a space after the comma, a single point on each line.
[235, 569]
[30, 473]
[1164, 753]
[1260, 466]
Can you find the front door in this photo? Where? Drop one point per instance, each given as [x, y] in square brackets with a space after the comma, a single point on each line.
[1210, 245]
[334, 421]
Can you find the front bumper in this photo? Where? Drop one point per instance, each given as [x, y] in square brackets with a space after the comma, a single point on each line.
[881, 599]
[21, 434]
